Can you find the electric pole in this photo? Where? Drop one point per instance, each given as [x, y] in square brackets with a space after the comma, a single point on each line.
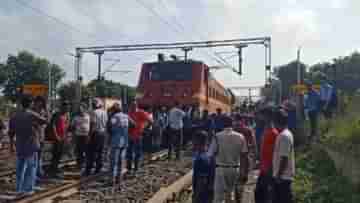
[186, 50]
[50, 89]
[240, 47]
[301, 135]
[99, 54]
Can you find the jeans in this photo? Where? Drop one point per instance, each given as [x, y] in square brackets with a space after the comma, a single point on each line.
[26, 173]
[39, 165]
[116, 161]
[57, 153]
[80, 149]
[262, 190]
[157, 137]
[175, 141]
[313, 117]
[95, 152]
[186, 136]
[134, 147]
[282, 192]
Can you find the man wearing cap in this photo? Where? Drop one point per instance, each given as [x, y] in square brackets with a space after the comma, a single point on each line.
[283, 163]
[98, 124]
[230, 150]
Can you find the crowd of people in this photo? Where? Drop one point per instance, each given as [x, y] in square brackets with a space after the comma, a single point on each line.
[223, 158]
[226, 145]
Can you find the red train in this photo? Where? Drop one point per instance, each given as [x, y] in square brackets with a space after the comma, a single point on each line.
[189, 82]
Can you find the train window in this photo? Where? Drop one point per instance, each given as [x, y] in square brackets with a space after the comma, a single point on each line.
[171, 71]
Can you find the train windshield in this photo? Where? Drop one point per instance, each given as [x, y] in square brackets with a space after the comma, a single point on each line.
[171, 71]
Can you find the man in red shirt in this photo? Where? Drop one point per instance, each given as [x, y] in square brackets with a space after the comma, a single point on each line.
[60, 124]
[266, 155]
[141, 119]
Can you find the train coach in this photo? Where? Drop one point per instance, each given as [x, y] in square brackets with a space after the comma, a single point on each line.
[189, 82]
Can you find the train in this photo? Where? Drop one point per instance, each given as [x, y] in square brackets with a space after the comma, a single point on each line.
[189, 82]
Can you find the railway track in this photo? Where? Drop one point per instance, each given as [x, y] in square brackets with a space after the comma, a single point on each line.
[8, 161]
[8, 181]
[12, 171]
[73, 184]
[156, 173]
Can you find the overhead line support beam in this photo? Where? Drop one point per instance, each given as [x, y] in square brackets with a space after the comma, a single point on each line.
[185, 46]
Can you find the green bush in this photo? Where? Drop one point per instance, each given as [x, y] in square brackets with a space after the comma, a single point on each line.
[344, 133]
[317, 181]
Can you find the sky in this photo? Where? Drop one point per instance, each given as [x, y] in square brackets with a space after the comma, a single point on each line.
[324, 29]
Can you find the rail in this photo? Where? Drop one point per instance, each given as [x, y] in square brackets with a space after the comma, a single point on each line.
[72, 187]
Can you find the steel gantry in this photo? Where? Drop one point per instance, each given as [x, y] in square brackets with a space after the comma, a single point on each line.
[238, 44]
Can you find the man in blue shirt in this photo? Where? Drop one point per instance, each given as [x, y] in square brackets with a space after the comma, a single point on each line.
[203, 176]
[326, 93]
[312, 106]
[219, 121]
[187, 125]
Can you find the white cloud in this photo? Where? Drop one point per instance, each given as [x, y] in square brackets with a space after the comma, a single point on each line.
[338, 4]
[290, 23]
[296, 26]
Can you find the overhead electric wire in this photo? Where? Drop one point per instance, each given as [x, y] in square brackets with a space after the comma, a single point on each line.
[53, 18]
[217, 58]
[65, 24]
[174, 28]
[99, 22]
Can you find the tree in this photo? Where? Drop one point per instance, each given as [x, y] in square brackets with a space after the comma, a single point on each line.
[25, 68]
[67, 91]
[288, 76]
[108, 88]
[95, 88]
[343, 72]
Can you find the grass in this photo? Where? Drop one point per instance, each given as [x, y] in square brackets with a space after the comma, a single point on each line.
[317, 181]
[344, 132]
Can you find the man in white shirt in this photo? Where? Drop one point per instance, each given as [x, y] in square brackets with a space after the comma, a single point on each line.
[98, 124]
[231, 153]
[176, 116]
[80, 126]
[283, 161]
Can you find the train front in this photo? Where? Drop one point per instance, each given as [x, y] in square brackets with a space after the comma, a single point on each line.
[163, 83]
